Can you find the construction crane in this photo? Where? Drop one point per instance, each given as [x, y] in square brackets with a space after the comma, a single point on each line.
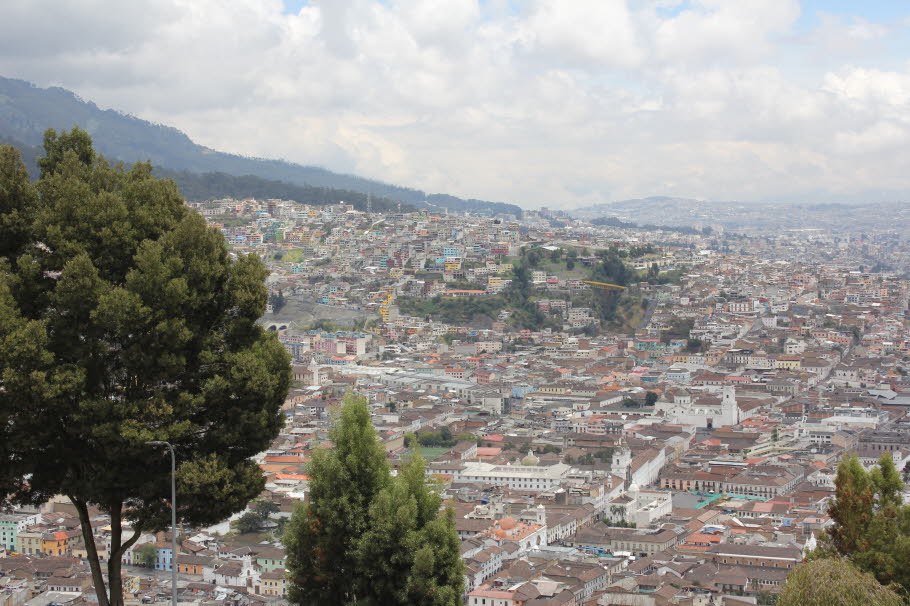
[386, 306]
[603, 285]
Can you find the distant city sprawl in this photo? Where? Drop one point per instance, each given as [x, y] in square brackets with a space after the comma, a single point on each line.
[605, 407]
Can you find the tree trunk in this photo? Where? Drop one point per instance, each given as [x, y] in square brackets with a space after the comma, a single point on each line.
[114, 580]
[92, 553]
[115, 583]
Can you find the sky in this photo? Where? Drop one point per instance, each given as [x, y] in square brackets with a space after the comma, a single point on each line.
[559, 103]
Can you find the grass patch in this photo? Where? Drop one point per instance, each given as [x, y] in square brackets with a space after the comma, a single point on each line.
[579, 272]
[433, 452]
[295, 255]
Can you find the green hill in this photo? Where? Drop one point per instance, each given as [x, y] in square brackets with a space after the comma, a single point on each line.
[26, 111]
[196, 186]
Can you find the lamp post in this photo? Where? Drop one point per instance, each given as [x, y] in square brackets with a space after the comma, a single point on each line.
[173, 517]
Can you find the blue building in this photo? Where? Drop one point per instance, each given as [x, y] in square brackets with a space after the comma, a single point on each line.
[163, 558]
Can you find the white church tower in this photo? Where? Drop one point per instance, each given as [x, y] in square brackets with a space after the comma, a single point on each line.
[621, 464]
[728, 406]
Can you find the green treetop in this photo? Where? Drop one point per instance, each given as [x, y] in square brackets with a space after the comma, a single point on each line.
[835, 582]
[871, 524]
[123, 320]
[365, 537]
[146, 555]
[321, 538]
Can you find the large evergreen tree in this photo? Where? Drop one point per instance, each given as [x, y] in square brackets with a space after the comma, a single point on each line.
[851, 509]
[364, 537]
[124, 320]
[321, 538]
[871, 524]
[410, 552]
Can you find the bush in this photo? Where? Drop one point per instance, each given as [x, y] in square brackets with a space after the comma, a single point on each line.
[248, 523]
[835, 582]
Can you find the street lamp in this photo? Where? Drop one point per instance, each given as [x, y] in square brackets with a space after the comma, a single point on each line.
[173, 517]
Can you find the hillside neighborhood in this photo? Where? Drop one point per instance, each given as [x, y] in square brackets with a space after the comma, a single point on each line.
[672, 439]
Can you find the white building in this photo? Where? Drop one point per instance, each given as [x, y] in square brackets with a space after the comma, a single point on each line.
[641, 507]
[703, 411]
[519, 477]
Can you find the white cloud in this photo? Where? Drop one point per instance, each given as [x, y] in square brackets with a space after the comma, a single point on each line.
[840, 37]
[712, 31]
[870, 89]
[556, 102]
[592, 33]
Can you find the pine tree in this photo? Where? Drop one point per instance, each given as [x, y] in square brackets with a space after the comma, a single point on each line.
[386, 550]
[871, 524]
[124, 320]
[851, 509]
[437, 575]
[321, 538]
[18, 202]
[368, 538]
[411, 552]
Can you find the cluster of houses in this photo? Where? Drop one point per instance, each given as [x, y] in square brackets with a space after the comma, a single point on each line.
[688, 459]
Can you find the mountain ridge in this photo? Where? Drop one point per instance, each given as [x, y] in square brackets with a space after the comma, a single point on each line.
[27, 110]
[614, 204]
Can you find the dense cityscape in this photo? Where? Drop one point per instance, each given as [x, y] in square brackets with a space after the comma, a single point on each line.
[454, 303]
[669, 436]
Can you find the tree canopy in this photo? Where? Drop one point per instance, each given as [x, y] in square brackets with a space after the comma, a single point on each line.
[835, 582]
[124, 320]
[366, 537]
[146, 555]
[871, 524]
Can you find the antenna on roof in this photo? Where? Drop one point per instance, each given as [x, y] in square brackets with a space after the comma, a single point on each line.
[370, 202]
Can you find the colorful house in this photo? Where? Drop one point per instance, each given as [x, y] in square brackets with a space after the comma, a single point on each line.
[271, 559]
[273, 583]
[29, 543]
[54, 543]
[9, 531]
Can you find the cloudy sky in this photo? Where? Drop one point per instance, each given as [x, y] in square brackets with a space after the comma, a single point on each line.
[536, 102]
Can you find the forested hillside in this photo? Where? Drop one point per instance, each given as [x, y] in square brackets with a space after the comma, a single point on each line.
[206, 186]
[26, 111]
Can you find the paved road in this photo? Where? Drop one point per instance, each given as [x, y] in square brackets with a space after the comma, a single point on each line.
[646, 319]
[161, 575]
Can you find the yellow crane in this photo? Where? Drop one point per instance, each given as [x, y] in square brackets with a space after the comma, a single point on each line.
[603, 285]
[386, 305]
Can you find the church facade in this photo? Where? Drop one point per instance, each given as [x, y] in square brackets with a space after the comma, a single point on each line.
[706, 410]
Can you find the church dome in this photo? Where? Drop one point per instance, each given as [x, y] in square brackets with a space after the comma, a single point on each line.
[530, 460]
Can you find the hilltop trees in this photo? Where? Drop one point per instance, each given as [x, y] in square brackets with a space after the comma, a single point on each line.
[525, 313]
[611, 270]
[366, 537]
[871, 524]
[277, 301]
[123, 319]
